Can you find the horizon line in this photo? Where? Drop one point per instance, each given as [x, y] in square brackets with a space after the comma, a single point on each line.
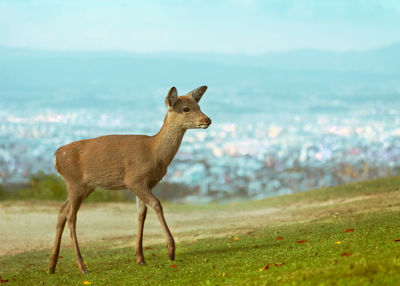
[77, 51]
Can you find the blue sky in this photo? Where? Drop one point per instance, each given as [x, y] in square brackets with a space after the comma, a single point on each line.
[242, 26]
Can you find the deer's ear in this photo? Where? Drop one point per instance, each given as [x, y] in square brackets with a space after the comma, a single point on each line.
[172, 97]
[197, 93]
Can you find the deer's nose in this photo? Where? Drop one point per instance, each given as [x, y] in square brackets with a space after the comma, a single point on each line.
[208, 120]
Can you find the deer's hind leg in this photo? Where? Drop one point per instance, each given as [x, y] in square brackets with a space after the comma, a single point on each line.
[141, 212]
[62, 218]
[76, 194]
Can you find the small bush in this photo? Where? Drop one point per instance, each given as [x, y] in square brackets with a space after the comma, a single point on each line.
[43, 187]
[3, 193]
[51, 187]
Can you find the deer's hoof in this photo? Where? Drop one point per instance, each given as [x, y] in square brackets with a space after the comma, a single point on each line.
[171, 249]
[142, 262]
[171, 256]
[83, 270]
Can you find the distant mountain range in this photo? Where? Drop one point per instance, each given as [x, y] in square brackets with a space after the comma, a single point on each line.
[29, 71]
[384, 59]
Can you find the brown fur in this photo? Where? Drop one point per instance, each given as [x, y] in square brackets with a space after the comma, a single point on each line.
[133, 162]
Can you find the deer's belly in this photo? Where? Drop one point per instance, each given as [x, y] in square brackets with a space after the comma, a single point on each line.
[105, 178]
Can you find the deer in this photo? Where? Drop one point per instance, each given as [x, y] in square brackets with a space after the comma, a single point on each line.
[125, 162]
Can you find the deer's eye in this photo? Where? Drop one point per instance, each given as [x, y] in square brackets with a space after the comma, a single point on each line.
[186, 109]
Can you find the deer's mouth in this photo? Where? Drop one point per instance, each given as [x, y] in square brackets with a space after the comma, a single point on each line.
[202, 126]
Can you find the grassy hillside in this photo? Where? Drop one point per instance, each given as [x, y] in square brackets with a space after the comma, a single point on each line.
[344, 235]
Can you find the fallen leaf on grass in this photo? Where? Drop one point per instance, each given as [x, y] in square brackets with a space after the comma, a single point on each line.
[397, 240]
[346, 254]
[86, 282]
[278, 263]
[3, 281]
[264, 268]
[279, 238]
[338, 242]
[348, 230]
[236, 238]
[60, 256]
[301, 241]
[223, 274]
[147, 248]
[174, 266]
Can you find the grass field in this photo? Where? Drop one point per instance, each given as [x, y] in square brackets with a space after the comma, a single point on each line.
[343, 235]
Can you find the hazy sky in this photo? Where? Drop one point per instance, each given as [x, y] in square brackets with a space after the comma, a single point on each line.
[242, 26]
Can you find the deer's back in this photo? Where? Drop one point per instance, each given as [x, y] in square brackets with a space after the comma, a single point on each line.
[107, 161]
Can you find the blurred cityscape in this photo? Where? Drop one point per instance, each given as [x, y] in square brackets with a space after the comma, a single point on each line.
[228, 161]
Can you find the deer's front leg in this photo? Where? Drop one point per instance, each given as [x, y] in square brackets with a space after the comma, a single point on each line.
[145, 195]
[142, 211]
[170, 240]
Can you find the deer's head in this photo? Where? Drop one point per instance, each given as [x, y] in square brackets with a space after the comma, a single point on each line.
[184, 111]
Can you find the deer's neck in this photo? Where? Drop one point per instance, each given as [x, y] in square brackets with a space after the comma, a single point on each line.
[167, 142]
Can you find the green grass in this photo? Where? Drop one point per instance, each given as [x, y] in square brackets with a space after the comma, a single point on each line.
[374, 259]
